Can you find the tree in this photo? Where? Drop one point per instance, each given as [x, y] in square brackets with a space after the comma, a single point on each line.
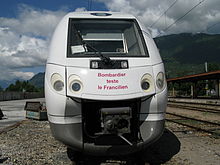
[22, 86]
[213, 67]
[1, 89]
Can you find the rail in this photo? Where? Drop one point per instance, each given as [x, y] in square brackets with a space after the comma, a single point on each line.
[190, 107]
[200, 125]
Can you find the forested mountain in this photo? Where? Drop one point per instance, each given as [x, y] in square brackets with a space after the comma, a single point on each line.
[38, 80]
[186, 53]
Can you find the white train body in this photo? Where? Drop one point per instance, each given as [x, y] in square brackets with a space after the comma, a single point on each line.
[98, 105]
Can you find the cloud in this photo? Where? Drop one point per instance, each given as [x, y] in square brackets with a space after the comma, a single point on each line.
[23, 75]
[24, 40]
[80, 9]
[31, 21]
[11, 74]
[21, 50]
[148, 11]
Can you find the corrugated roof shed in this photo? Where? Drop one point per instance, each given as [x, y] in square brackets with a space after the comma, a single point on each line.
[196, 77]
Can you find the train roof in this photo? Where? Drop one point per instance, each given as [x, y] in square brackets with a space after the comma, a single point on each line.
[100, 15]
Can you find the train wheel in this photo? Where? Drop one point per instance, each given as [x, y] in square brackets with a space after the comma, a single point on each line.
[71, 154]
[79, 159]
[75, 157]
[138, 161]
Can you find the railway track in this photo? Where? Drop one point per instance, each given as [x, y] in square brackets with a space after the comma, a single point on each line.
[210, 108]
[197, 124]
[11, 127]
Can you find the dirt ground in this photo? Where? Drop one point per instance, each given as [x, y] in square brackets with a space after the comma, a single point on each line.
[31, 143]
[196, 147]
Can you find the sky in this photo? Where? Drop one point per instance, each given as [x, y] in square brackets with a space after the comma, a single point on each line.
[26, 26]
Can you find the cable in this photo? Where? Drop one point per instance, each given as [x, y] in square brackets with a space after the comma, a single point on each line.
[164, 13]
[177, 20]
[183, 15]
[89, 5]
[211, 26]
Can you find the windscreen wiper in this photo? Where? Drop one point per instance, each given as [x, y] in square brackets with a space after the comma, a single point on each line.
[104, 59]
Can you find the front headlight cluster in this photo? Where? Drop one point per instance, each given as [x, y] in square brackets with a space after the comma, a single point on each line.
[57, 82]
[147, 83]
[75, 84]
[160, 80]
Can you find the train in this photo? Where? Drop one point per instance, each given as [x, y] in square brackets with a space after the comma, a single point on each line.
[105, 85]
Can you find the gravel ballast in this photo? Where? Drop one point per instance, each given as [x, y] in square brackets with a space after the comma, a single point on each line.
[30, 142]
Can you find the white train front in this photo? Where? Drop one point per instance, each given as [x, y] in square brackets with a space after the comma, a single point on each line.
[105, 84]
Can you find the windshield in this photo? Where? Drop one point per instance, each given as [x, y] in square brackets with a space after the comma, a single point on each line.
[109, 37]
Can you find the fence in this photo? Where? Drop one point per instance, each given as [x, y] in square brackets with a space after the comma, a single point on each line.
[4, 96]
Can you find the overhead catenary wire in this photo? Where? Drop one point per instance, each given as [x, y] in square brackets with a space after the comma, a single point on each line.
[211, 26]
[183, 15]
[89, 5]
[177, 20]
[163, 13]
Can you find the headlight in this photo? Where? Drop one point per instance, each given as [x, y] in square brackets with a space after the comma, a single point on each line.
[147, 83]
[58, 85]
[75, 84]
[57, 82]
[160, 81]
